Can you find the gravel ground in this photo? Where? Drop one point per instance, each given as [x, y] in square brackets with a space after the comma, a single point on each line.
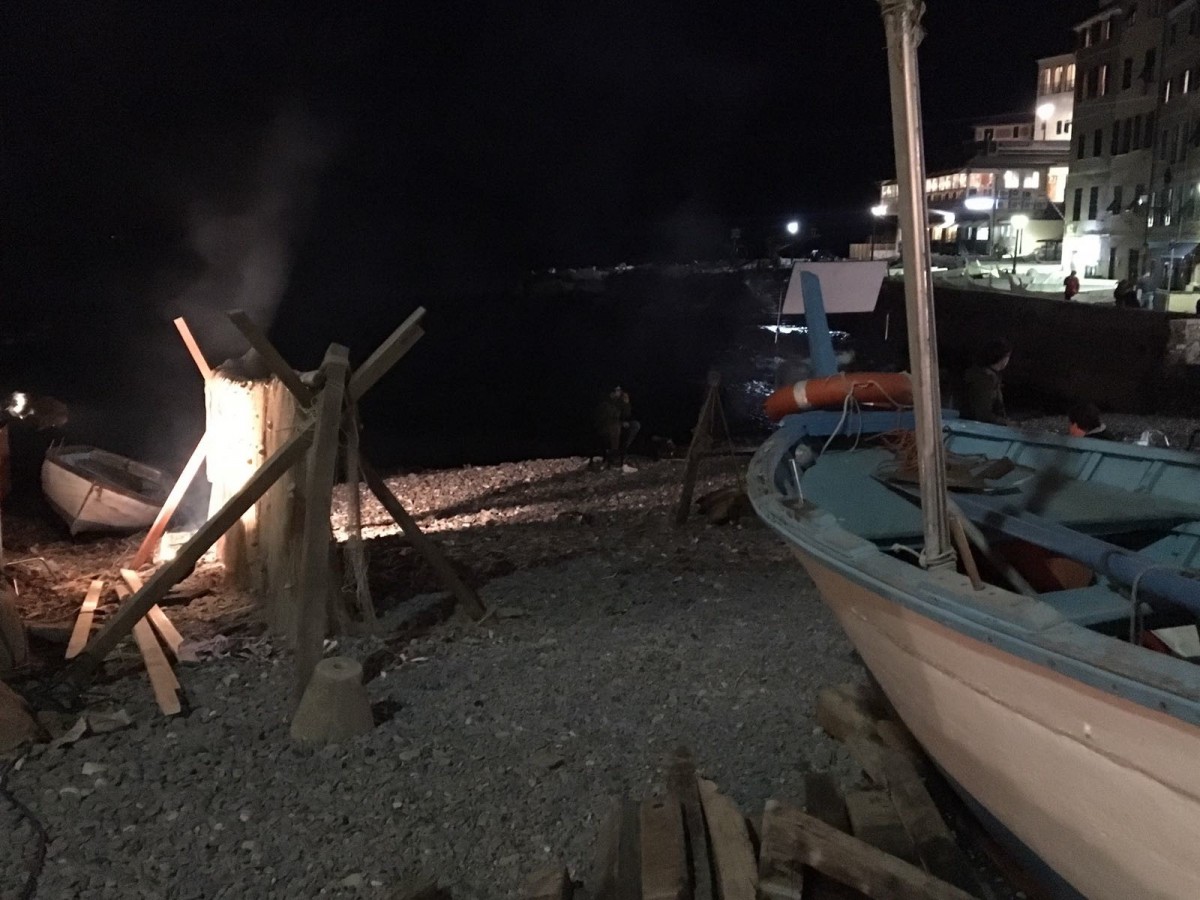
[613, 639]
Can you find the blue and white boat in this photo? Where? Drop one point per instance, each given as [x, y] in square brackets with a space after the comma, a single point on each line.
[1028, 602]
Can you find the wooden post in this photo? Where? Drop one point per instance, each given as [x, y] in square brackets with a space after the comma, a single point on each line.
[355, 552]
[701, 440]
[420, 541]
[313, 612]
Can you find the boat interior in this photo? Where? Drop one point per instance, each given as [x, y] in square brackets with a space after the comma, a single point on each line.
[113, 472]
[1084, 525]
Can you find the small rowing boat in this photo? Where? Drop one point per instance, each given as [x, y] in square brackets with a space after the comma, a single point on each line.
[94, 490]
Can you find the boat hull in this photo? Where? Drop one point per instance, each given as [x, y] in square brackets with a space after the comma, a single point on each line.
[1101, 788]
[88, 504]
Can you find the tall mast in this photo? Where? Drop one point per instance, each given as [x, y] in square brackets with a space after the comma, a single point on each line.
[901, 20]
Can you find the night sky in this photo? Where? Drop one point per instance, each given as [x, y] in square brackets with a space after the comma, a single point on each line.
[441, 146]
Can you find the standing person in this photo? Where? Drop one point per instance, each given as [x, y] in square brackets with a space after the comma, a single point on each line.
[1071, 285]
[1083, 420]
[616, 426]
[1145, 290]
[1125, 294]
[984, 400]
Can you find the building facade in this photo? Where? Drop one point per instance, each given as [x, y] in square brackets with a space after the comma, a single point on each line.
[1135, 150]
[1055, 107]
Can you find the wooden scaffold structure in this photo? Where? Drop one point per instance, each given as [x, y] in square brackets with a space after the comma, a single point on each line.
[271, 504]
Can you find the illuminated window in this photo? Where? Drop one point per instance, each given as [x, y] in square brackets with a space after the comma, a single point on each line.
[1070, 85]
[1031, 180]
[1011, 179]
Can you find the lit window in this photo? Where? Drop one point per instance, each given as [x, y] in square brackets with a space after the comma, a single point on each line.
[1031, 180]
[1011, 180]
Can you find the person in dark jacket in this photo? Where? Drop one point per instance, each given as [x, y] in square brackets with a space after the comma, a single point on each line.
[1126, 293]
[1084, 421]
[1070, 286]
[616, 426]
[984, 397]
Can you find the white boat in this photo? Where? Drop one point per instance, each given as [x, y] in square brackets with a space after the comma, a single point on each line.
[94, 490]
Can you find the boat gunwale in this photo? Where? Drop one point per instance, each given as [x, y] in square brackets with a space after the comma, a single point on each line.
[59, 456]
[1025, 626]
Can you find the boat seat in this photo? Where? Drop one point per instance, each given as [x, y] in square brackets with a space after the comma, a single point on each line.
[1100, 607]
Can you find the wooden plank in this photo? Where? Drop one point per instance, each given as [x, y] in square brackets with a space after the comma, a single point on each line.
[420, 541]
[733, 854]
[162, 678]
[193, 348]
[874, 820]
[387, 354]
[158, 618]
[664, 856]
[270, 356]
[778, 877]
[628, 885]
[681, 783]
[922, 819]
[83, 623]
[313, 595]
[856, 863]
[841, 715]
[84, 666]
[146, 550]
[548, 884]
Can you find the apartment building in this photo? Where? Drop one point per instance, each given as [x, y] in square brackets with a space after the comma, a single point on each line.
[1055, 107]
[1135, 158]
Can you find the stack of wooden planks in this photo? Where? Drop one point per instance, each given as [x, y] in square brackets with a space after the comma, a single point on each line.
[693, 843]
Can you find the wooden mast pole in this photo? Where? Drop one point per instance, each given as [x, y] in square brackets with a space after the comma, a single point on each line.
[901, 19]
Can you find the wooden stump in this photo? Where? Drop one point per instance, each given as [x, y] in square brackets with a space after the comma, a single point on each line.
[247, 421]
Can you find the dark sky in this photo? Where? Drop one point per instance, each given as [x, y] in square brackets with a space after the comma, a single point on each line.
[442, 146]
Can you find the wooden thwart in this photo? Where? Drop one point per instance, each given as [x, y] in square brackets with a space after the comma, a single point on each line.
[83, 623]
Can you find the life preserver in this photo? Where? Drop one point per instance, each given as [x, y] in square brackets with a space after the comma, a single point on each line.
[892, 389]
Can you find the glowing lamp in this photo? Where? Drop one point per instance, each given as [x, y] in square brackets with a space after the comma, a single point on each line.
[1045, 111]
[1019, 221]
[793, 227]
[879, 210]
[979, 204]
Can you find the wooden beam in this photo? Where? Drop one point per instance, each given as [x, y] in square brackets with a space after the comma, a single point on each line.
[88, 662]
[548, 884]
[162, 679]
[355, 551]
[701, 442]
[857, 864]
[935, 843]
[615, 870]
[170, 636]
[193, 348]
[387, 354]
[420, 541]
[313, 594]
[664, 855]
[778, 877]
[874, 819]
[733, 854]
[270, 356]
[146, 550]
[681, 783]
[83, 623]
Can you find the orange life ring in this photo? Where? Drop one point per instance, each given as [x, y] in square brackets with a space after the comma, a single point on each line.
[893, 389]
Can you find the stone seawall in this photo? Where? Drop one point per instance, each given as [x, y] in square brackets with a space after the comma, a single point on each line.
[1124, 360]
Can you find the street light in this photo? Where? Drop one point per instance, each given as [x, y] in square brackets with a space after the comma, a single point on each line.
[878, 211]
[793, 227]
[1019, 222]
[1044, 112]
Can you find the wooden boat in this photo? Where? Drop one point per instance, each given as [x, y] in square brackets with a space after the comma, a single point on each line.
[1083, 745]
[94, 490]
[1029, 606]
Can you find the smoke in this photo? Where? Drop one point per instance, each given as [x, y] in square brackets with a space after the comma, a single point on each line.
[244, 249]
